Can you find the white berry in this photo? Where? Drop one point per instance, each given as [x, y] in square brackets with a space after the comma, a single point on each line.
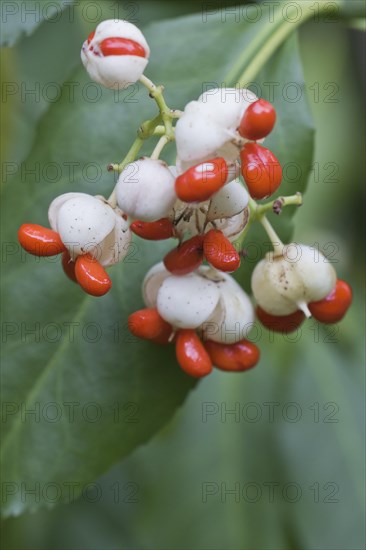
[228, 201]
[114, 71]
[153, 280]
[234, 315]
[186, 302]
[87, 224]
[145, 190]
[284, 283]
[208, 126]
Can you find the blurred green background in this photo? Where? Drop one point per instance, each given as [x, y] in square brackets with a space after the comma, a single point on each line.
[246, 480]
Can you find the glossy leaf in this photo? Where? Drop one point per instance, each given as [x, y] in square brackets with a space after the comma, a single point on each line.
[21, 19]
[79, 351]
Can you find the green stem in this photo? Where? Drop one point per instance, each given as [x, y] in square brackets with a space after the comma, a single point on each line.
[167, 114]
[273, 237]
[132, 153]
[159, 131]
[280, 202]
[285, 21]
[148, 127]
[257, 213]
[146, 130]
[159, 147]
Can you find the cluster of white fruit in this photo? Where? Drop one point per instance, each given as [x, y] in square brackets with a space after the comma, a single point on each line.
[202, 202]
[146, 191]
[89, 225]
[206, 300]
[208, 128]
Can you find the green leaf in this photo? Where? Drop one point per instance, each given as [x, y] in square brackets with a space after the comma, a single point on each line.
[19, 19]
[79, 358]
[37, 68]
[280, 447]
[243, 447]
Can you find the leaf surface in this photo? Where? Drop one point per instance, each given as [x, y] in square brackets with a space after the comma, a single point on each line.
[97, 394]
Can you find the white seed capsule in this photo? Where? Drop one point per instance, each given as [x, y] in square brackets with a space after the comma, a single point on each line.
[233, 317]
[187, 301]
[198, 136]
[227, 105]
[208, 126]
[145, 190]
[114, 71]
[56, 205]
[87, 224]
[83, 222]
[228, 201]
[284, 283]
[153, 280]
[116, 245]
[188, 219]
[233, 227]
[209, 301]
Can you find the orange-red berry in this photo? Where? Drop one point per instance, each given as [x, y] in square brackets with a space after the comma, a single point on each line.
[121, 46]
[191, 354]
[280, 323]
[261, 170]
[258, 120]
[91, 275]
[334, 306]
[91, 36]
[68, 266]
[149, 325]
[39, 240]
[153, 231]
[186, 257]
[237, 357]
[219, 251]
[200, 182]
